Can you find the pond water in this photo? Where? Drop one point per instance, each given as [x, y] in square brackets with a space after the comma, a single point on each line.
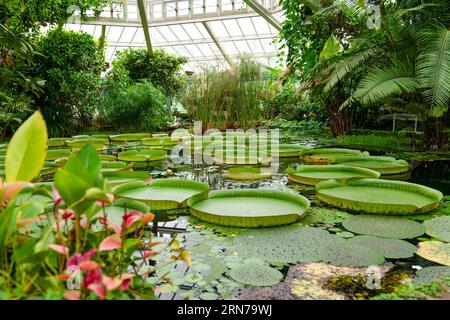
[212, 246]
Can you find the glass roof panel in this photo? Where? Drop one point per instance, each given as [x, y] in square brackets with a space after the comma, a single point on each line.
[192, 31]
[205, 49]
[128, 34]
[230, 48]
[178, 30]
[177, 27]
[232, 27]
[166, 33]
[261, 25]
[246, 26]
[219, 29]
[156, 37]
[139, 36]
[114, 33]
[193, 50]
[242, 46]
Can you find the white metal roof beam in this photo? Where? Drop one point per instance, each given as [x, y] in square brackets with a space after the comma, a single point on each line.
[218, 44]
[187, 42]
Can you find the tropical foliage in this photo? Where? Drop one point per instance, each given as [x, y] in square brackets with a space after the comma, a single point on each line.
[227, 99]
[347, 64]
[161, 69]
[63, 243]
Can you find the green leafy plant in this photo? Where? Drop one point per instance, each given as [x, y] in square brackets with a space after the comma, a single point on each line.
[71, 64]
[228, 99]
[69, 237]
[136, 107]
[19, 87]
[161, 69]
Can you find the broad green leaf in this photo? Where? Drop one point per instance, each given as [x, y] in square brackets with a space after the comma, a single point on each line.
[331, 48]
[7, 228]
[47, 238]
[97, 194]
[27, 150]
[85, 164]
[70, 186]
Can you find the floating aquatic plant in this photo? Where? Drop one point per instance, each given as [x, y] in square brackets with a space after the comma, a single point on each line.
[428, 274]
[389, 248]
[293, 244]
[313, 174]
[439, 228]
[256, 274]
[379, 196]
[249, 207]
[435, 251]
[386, 227]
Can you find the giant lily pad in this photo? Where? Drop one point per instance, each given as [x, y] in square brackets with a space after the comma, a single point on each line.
[386, 227]
[249, 207]
[435, 251]
[439, 228]
[115, 178]
[146, 155]
[115, 166]
[379, 196]
[276, 149]
[160, 142]
[247, 158]
[313, 174]
[48, 168]
[248, 173]
[389, 248]
[292, 244]
[349, 254]
[320, 215]
[129, 137]
[286, 150]
[255, 274]
[162, 194]
[383, 165]
[77, 144]
[324, 155]
[289, 244]
[54, 154]
[56, 142]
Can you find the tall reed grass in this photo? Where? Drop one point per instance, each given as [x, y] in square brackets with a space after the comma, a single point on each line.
[228, 99]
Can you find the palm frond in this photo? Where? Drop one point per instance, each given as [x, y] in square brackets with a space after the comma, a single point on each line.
[379, 84]
[346, 66]
[433, 69]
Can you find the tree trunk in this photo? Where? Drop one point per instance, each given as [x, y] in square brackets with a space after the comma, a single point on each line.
[434, 137]
[340, 121]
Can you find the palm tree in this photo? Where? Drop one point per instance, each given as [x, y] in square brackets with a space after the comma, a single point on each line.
[410, 66]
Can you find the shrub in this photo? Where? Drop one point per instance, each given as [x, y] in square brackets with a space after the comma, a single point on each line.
[162, 69]
[18, 86]
[71, 64]
[135, 107]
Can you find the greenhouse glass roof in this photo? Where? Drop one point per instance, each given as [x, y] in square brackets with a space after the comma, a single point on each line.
[208, 32]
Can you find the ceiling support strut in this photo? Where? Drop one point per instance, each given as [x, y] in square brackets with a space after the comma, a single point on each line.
[263, 12]
[143, 16]
[218, 44]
